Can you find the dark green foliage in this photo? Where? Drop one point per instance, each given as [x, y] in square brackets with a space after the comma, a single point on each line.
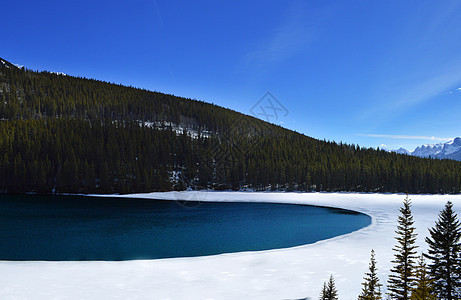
[72, 155]
[444, 254]
[402, 276]
[371, 286]
[67, 134]
[424, 287]
[329, 291]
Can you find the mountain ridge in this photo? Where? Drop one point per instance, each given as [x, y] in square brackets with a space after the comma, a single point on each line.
[448, 150]
[65, 134]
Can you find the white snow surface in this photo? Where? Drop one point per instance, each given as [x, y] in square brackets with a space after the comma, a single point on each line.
[290, 273]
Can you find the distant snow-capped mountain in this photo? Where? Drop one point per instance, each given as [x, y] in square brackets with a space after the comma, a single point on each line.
[402, 150]
[449, 150]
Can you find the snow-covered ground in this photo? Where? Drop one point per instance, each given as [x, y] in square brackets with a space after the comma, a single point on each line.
[291, 273]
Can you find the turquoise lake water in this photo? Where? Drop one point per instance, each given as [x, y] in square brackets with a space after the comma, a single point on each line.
[91, 228]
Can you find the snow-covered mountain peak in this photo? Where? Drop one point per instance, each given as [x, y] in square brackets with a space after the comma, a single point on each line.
[452, 147]
[428, 150]
[402, 150]
[449, 150]
[457, 141]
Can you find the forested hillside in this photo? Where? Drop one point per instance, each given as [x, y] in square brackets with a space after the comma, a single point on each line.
[65, 134]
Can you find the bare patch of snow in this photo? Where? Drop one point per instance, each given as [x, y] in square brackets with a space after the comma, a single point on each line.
[59, 73]
[177, 128]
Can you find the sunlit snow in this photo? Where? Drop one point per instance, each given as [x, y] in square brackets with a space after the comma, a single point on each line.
[291, 273]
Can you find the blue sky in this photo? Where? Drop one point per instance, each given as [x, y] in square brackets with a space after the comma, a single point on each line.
[365, 72]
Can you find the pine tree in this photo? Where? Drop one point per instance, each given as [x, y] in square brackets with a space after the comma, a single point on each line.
[424, 288]
[371, 286]
[329, 291]
[444, 254]
[402, 277]
[324, 292]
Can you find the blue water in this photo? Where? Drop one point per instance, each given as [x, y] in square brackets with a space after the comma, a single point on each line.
[91, 228]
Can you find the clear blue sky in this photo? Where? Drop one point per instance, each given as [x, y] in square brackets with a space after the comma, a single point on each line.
[363, 72]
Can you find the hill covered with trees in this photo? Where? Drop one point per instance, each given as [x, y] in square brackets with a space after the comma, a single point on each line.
[66, 134]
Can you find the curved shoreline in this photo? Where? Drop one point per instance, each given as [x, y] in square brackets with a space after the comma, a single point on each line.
[173, 196]
[288, 273]
[121, 229]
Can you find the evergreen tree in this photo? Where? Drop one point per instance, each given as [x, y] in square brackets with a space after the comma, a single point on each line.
[402, 275]
[444, 254]
[424, 287]
[329, 291]
[371, 286]
[324, 292]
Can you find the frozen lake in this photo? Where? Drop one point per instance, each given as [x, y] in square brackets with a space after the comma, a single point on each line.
[89, 228]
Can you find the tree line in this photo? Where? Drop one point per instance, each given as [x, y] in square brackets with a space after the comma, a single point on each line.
[411, 278]
[75, 135]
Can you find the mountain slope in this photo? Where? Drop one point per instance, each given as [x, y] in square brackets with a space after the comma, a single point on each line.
[68, 134]
[7, 64]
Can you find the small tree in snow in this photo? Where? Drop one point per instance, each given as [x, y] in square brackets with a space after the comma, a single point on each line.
[402, 276]
[444, 254]
[371, 286]
[424, 288]
[329, 291]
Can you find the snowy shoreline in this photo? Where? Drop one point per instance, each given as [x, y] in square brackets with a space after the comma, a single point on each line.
[290, 273]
